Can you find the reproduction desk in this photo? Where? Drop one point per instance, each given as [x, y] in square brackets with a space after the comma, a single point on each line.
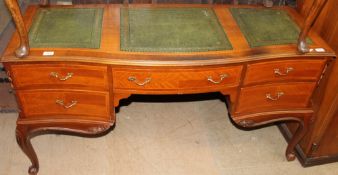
[76, 63]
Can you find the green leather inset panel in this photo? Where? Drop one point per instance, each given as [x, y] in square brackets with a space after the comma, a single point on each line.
[171, 30]
[263, 27]
[67, 27]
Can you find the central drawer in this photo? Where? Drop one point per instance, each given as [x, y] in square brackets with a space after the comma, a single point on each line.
[64, 103]
[53, 76]
[176, 79]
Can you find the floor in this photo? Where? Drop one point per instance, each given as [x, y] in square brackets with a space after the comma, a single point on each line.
[174, 138]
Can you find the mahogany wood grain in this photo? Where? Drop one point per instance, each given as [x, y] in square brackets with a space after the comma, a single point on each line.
[23, 137]
[302, 117]
[327, 23]
[328, 142]
[319, 144]
[14, 9]
[274, 97]
[169, 79]
[60, 76]
[24, 42]
[76, 104]
[101, 77]
[233, 31]
[325, 132]
[226, 91]
[109, 52]
[26, 131]
[308, 23]
[286, 70]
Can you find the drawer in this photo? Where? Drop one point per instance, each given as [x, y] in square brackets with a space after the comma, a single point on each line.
[59, 75]
[274, 97]
[274, 71]
[69, 104]
[176, 79]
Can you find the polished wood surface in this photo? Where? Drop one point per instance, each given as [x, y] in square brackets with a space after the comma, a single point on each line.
[23, 49]
[319, 144]
[145, 79]
[316, 8]
[327, 23]
[60, 75]
[288, 70]
[325, 129]
[329, 141]
[109, 52]
[274, 97]
[55, 104]
[76, 90]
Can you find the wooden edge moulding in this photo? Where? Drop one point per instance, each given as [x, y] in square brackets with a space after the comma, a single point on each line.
[23, 49]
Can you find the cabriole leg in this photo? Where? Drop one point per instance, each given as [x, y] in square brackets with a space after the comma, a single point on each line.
[23, 137]
[299, 134]
[302, 117]
[25, 132]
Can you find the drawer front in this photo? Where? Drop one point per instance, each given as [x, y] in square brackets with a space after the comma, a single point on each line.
[176, 79]
[57, 75]
[284, 70]
[46, 103]
[274, 97]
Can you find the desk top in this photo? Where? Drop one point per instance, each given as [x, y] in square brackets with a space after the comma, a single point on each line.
[110, 51]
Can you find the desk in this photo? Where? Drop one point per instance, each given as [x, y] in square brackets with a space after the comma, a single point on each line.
[77, 89]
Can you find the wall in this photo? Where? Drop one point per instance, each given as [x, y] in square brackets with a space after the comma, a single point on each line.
[7, 100]
[6, 27]
[4, 16]
[4, 20]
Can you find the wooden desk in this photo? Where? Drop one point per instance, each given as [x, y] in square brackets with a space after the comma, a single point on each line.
[264, 84]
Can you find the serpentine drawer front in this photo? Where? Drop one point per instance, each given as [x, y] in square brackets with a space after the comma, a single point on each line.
[64, 104]
[177, 79]
[293, 70]
[60, 75]
[274, 97]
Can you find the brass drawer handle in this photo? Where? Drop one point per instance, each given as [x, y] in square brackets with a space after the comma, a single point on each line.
[221, 78]
[134, 79]
[62, 103]
[56, 75]
[280, 73]
[278, 95]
